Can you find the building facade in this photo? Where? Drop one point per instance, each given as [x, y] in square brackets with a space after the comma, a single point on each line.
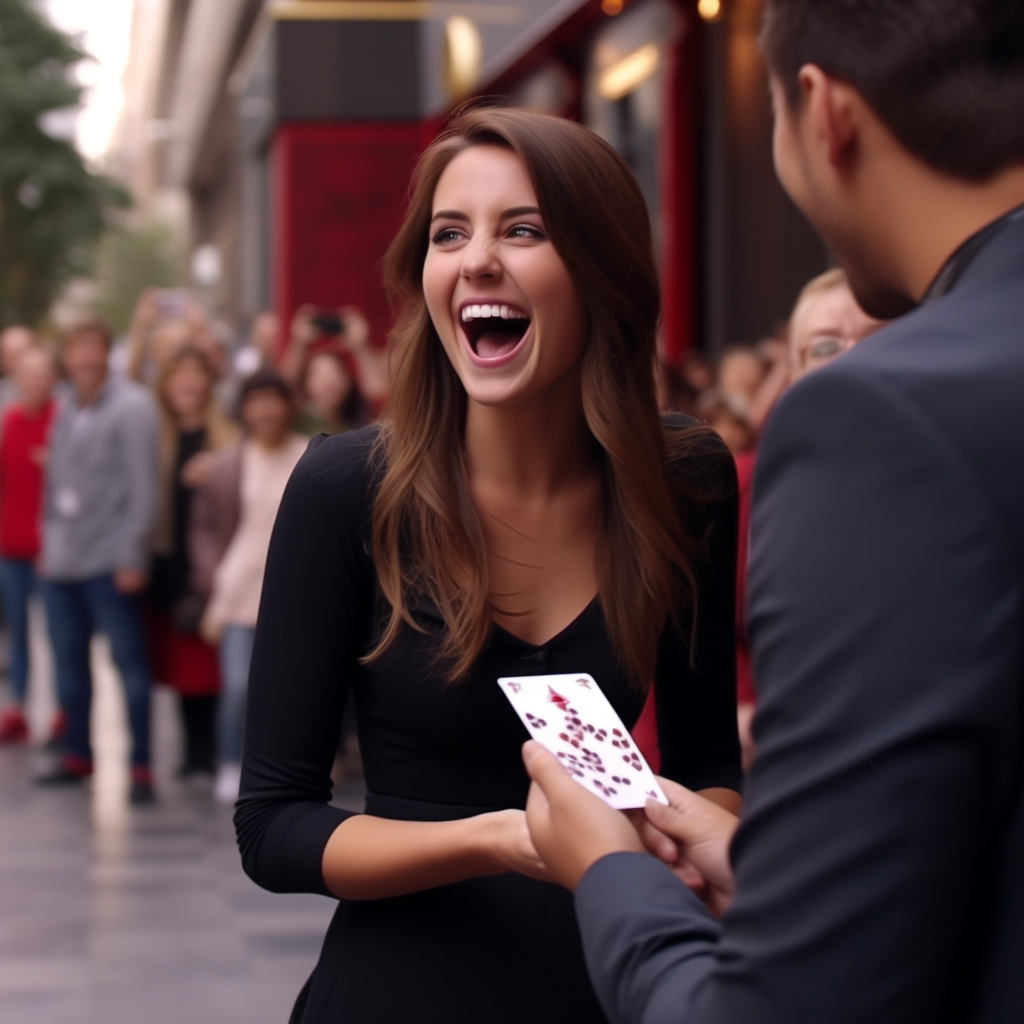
[291, 127]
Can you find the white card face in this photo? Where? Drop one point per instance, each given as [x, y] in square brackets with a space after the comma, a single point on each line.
[571, 717]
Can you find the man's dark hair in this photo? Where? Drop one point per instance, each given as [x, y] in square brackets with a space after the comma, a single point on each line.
[91, 326]
[265, 380]
[945, 76]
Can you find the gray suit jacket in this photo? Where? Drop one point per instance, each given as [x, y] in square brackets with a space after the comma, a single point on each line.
[880, 860]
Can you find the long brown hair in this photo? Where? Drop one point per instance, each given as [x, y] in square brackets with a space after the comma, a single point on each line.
[220, 432]
[427, 538]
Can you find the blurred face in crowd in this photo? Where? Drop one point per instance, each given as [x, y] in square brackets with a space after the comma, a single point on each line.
[817, 175]
[85, 359]
[824, 326]
[13, 342]
[740, 374]
[267, 417]
[187, 390]
[328, 384]
[35, 375]
[499, 295]
[697, 372]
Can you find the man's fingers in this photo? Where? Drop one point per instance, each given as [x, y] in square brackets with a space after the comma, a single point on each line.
[658, 844]
[680, 796]
[676, 824]
[545, 769]
[537, 807]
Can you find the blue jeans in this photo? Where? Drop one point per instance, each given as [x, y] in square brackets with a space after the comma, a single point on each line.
[75, 611]
[17, 581]
[235, 657]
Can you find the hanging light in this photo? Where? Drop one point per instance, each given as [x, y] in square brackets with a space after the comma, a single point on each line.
[464, 56]
[611, 7]
[625, 75]
[709, 10]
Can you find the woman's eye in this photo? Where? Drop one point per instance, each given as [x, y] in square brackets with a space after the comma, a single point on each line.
[445, 236]
[526, 231]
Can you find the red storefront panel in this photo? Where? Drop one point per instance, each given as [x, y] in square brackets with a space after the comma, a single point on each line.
[339, 191]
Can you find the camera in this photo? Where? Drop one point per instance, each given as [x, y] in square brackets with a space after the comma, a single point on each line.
[328, 322]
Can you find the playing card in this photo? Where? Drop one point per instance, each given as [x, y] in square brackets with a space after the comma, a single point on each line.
[572, 718]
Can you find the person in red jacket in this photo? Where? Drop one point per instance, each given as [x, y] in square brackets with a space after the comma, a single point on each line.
[24, 436]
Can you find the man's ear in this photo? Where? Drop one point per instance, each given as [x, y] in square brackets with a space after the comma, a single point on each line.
[833, 109]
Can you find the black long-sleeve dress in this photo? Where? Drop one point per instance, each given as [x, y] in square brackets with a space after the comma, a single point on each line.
[496, 949]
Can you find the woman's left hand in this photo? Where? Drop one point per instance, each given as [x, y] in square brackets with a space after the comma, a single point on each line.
[510, 846]
[198, 470]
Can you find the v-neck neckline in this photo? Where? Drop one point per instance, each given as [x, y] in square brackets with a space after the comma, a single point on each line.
[558, 636]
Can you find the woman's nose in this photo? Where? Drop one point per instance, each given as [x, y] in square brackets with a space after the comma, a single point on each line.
[480, 259]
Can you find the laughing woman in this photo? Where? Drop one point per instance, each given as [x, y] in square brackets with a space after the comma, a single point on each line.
[522, 511]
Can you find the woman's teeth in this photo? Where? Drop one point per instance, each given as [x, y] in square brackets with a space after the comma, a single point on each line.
[486, 311]
[494, 329]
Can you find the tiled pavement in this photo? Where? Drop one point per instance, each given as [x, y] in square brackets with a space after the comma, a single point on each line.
[110, 915]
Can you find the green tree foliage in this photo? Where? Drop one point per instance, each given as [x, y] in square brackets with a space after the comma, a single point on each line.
[131, 259]
[52, 207]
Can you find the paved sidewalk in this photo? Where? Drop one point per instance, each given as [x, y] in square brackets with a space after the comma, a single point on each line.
[110, 915]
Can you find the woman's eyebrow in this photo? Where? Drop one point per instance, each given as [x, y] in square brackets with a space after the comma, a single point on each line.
[515, 211]
[448, 215]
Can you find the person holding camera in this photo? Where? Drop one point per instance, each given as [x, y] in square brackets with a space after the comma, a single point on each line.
[341, 378]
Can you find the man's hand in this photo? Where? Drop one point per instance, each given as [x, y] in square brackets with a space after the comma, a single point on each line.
[571, 828]
[130, 581]
[704, 832]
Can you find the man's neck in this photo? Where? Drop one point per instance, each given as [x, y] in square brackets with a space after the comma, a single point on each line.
[939, 215]
[89, 396]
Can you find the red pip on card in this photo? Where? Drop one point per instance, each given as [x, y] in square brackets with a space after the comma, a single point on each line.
[571, 717]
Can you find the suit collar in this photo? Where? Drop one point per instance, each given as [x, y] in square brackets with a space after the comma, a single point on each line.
[983, 248]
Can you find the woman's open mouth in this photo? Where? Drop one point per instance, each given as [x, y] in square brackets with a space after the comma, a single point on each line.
[494, 331]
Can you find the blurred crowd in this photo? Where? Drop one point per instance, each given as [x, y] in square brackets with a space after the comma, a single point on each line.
[140, 479]
[735, 395]
[139, 483]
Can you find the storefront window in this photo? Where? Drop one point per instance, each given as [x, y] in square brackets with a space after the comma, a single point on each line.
[624, 98]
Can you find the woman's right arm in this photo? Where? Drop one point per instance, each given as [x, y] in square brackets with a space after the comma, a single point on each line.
[318, 592]
[144, 318]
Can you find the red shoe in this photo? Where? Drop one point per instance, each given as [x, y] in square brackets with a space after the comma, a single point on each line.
[71, 771]
[13, 727]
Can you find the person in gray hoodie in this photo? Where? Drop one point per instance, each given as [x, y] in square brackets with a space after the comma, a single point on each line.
[98, 519]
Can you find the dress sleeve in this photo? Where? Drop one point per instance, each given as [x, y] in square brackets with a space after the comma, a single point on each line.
[317, 591]
[695, 681]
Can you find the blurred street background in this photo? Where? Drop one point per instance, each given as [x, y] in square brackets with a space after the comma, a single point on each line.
[195, 197]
